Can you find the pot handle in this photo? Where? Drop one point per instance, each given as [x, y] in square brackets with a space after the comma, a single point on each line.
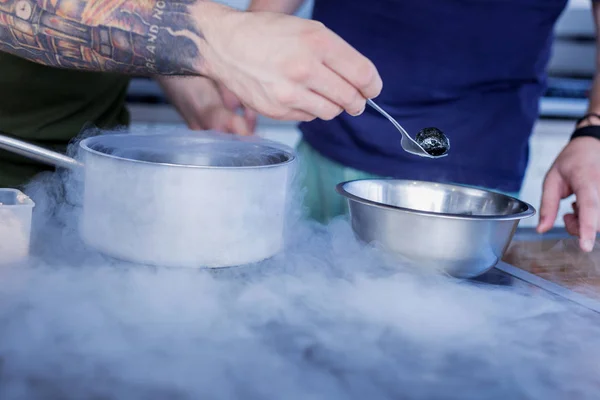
[38, 153]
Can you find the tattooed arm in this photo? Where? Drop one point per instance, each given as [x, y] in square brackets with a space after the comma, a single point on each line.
[281, 66]
[124, 36]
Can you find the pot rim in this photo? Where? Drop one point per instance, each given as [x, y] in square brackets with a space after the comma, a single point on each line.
[291, 156]
[528, 212]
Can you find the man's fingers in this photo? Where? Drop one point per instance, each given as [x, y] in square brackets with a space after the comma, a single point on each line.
[229, 122]
[223, 120]
[238, 125]
[588, 213]
[336, 89]
[230, 100]
[298, 115]
[571, 224]
[551, 196]
[314, 105]
[355, 68]
[251, 118]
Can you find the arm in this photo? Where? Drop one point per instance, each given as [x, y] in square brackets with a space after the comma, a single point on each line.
[204, 107]
[594, 96]
[279, 65]
[576, 171]
[124, 36]
[280, 6]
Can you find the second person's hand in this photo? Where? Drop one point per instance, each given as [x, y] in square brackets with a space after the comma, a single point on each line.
[205, 105]
[575, 171]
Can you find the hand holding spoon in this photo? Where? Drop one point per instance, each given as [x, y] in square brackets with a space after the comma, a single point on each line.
[431, 142]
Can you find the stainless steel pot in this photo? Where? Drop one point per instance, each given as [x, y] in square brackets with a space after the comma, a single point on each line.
[184, 200]
[457, 229]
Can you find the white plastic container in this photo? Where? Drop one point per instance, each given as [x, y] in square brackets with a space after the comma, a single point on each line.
[16, 211]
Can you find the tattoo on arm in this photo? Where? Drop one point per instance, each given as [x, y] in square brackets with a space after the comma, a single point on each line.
[135, 37]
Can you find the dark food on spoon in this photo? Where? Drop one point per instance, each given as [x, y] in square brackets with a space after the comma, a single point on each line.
[433, 141]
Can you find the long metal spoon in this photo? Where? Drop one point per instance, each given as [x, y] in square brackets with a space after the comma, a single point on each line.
[407, 143]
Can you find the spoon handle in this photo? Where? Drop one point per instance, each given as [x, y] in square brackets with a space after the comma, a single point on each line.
[389, 117]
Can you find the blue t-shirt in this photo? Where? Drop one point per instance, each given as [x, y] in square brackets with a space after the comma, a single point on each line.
[473, 68]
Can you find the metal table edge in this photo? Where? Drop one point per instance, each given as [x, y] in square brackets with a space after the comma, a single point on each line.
[548, 286]
[528, 235]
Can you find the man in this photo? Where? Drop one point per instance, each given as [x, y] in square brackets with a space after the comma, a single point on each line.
[476, 70]
[65, 65]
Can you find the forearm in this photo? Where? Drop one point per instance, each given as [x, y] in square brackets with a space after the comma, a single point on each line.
[594, 96]
[280, 6]
[593, 108]
[135, 37]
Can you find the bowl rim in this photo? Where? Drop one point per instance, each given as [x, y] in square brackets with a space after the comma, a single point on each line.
[87, 145]
[528, 212]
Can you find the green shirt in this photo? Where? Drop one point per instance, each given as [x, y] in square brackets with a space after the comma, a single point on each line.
[48, 106]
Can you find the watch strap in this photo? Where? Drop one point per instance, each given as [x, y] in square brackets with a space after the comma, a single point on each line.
[587, 131]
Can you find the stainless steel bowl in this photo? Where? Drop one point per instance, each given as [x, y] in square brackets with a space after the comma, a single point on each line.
[457, 229]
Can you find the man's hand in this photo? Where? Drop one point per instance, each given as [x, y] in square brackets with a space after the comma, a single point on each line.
[287, 67]
[205, 106]
[575, 171]
[281, 66]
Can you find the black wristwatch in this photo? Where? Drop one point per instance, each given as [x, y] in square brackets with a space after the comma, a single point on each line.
[589, 131]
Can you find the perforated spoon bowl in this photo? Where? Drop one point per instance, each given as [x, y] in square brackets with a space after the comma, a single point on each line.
[408, 144]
